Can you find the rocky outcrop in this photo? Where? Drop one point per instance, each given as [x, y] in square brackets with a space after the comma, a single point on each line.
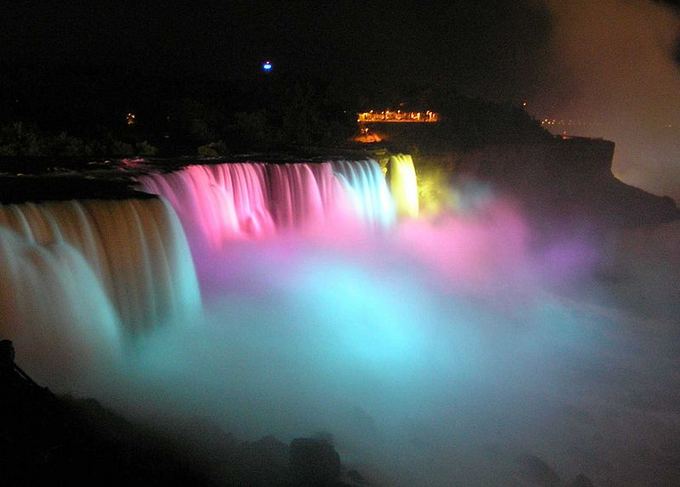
[47, 439]
[566, 180]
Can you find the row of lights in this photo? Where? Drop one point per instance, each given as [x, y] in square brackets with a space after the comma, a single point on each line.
[548, 122]
[398, 116]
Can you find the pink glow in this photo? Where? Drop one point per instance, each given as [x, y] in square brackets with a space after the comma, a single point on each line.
[469, 251]
[226, 202]
[217, 203]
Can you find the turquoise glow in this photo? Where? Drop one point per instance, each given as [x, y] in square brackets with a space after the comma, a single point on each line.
[432, 350]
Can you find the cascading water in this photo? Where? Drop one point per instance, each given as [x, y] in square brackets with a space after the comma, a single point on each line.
[53, 304]
[433, 353]
[224, 202]
[303, 195]
[403, 182]
[134, 250]
[216, 203]
[370, 195]
[128, 260]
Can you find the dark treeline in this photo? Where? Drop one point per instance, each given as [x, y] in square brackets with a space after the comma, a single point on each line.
[74, 111]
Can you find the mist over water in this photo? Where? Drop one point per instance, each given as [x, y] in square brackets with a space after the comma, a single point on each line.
[436, 351]
[614, 72]
[424, 375]
[434, 354]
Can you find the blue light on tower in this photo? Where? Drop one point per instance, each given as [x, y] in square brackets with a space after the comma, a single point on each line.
[267, 66]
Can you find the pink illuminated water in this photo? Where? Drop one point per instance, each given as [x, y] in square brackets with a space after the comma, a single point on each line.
[433, 350]
[225, 202]
[217, 203]
[305, 195]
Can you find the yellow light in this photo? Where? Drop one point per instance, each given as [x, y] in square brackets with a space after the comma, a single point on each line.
[398, 116]
[401, 175]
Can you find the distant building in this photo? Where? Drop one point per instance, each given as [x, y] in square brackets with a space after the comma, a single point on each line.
[397, 116]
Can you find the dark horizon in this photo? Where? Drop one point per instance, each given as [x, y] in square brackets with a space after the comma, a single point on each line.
[87, 64]
[494, 49]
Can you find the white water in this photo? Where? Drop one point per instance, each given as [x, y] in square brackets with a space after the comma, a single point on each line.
[433, 352]
[135, 249]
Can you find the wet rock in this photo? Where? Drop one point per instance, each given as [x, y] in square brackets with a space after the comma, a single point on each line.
[260, 463]
[273, 449]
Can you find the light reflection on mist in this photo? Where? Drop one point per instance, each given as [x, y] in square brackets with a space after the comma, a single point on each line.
[435, 354]
[614, 76]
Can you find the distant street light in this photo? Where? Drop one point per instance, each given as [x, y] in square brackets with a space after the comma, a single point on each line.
[267, 66]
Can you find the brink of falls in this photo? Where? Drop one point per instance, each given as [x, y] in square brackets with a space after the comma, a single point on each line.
[223, 202]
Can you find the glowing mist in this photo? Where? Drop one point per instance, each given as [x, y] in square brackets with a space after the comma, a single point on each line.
[432, 350]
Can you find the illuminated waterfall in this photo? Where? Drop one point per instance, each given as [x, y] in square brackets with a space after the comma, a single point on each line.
[305, 195]
[218, 202]
[223, 202]
[131, 251]
[403, 184]
[117, 267]
[53, 304]
[370, 196]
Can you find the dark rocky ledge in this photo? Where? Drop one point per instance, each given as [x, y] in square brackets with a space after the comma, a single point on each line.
[22, 189]
[47, 439]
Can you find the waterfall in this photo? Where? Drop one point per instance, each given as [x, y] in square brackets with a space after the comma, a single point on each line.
[366, 185]
[52, 304]
[223, 202]
[304, 195]
[216, 203]
[119, 267]
[129, 253]
[404, 185]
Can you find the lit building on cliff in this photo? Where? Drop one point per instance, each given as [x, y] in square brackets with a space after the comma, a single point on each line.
[369, 136]
[397, 116]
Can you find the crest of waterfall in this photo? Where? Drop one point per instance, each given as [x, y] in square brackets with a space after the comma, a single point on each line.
[223, 202]
[134, 250]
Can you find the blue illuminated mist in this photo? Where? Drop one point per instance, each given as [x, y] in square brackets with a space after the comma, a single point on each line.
[444, 351]
[421, 377]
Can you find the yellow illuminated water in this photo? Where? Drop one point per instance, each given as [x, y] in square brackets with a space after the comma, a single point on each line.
[403, 184]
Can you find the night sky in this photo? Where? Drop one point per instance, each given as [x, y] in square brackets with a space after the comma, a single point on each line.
[548, 52]
[476, 46]
[497, 49]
